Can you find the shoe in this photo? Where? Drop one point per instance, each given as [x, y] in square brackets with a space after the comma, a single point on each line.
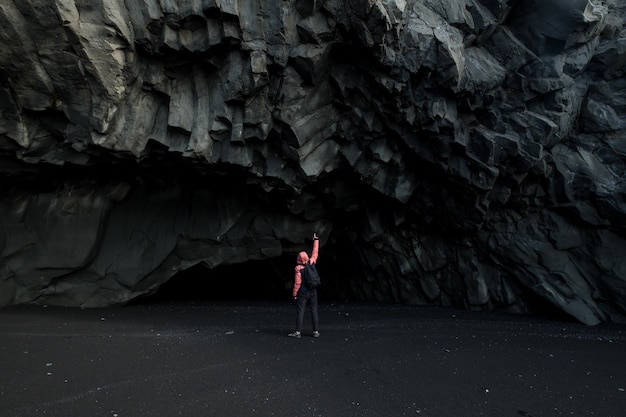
[316, 334]
[295, 334]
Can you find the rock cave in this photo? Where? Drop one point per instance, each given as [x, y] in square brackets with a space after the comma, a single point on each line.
[456, 153]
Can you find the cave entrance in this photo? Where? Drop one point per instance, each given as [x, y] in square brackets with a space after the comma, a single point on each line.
[269, 279]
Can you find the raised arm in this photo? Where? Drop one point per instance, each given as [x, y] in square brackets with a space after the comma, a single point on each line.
[316, 248]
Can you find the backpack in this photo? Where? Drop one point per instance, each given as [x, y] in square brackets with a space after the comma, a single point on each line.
[310, 276]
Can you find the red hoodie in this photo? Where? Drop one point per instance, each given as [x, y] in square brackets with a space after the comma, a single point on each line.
[302, 259]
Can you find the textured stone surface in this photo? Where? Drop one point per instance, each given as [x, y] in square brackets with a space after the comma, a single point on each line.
[457, 152]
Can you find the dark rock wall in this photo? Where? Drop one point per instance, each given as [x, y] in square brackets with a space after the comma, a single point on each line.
[458, 152]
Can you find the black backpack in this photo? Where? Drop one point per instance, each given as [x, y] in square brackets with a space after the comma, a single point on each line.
[310, 276]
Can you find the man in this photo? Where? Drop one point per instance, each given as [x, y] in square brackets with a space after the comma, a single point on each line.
[303, 295]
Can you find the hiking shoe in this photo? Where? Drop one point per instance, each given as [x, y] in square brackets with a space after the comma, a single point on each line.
[295, 334]
[316, 334]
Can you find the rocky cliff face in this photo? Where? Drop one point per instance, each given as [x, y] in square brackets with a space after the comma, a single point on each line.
[453, 152]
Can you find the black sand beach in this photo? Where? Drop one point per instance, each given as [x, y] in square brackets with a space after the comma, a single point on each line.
[227, 358]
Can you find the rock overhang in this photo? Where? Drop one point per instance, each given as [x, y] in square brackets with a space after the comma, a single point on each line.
[446, 152]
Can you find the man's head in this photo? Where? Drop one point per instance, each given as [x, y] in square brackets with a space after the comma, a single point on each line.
[303, 257]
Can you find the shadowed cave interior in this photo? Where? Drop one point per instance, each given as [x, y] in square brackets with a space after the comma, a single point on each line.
[269, 279]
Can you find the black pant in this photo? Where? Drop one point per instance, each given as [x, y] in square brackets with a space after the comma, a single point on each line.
[307, 297]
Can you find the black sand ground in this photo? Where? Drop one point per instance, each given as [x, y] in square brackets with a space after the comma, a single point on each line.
[205, 358]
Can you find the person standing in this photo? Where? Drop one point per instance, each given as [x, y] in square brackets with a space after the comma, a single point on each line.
[305, 296]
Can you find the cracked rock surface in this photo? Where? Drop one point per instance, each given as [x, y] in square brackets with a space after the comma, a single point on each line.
[452, 152]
